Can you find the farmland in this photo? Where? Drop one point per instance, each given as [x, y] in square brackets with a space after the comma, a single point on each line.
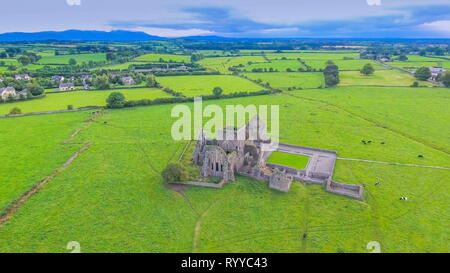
[80, 58]
[276, 65]
[344, 65]
[294, 80]
[60, 101]
[392, 139]
[381, 77]
[245, 216]
[164, 58]
[222, 64]
[203, 85]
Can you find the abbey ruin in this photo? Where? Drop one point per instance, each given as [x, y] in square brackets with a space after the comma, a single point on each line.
[245, 150]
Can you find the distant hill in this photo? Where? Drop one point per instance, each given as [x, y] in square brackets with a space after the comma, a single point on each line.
[78, 35]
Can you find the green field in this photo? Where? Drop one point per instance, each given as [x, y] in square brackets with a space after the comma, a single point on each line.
[324, 55]
[80, 58]
[59, 101]
[285, 80]
[414, 65]
[291, 160]
[380, 77]
[276, 65]
[222, 64]
[112, 199]
[164, 58]
[203, 85]
[343, 64]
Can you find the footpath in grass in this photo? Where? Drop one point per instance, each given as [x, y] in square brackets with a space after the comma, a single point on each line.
[112, 199]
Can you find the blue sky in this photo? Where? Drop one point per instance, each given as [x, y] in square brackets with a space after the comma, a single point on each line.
[235, 18]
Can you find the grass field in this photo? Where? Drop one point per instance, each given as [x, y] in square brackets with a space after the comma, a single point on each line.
[35, 149]
[59, 101]
[164, 58]
[80, 58]
[291, 160]
[381, 77]
[285, 80]
[344, 64]
[222, 64]
[409, 65]
[112, 198]
[324, 55]
[276, 65]
[204, 85]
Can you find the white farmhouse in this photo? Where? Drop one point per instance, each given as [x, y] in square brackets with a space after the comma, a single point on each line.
[7, 92]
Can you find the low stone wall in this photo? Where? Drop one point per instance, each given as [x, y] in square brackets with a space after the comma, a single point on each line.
[200, 184]
[51, 112]
[354, 191]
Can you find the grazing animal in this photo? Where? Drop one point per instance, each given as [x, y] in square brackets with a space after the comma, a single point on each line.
[363, 142]
[382, 143]
[420, 156]
[404, 198]
[377, 183]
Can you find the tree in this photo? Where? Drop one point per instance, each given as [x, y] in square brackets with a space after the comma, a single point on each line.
[70, 107]
[72, 61]
[217, 91]
[174, 172]
[35, 89]
[115, 100]
[101, 82]
[445, 78]
[367, 69]
[15, 111]
[423, 73]
[151, 81]
[331, 74]
[24, 60]
[403, 58]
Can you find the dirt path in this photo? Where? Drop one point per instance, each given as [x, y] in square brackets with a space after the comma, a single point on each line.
[15, 206]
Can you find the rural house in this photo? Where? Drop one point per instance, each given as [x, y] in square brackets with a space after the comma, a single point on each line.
[66, 86]
[22, 94]
[24, 77]
[7, 92]
[436, 71]
[128, 81]
[57, 78]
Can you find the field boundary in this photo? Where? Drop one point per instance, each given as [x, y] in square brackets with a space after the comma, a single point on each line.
[16, 205]
[393, 163]
[52, 112]
[375, 123]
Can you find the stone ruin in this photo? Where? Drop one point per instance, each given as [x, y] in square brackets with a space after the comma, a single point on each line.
[244, 151]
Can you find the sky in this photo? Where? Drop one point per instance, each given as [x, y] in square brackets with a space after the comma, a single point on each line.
[235, 18]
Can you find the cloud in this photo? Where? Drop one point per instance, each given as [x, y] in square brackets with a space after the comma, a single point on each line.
[73, 2]
[442, 26]
[374, 2]
[173, 33]
[396, 22]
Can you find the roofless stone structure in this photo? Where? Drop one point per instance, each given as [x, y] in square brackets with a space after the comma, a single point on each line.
[245, 150]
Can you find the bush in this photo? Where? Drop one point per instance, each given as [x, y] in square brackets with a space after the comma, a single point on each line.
[70, 107]
[115, 100]
[423, 74]
[15, 111]
[174, 172]
[367, 69]
[217, 91]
